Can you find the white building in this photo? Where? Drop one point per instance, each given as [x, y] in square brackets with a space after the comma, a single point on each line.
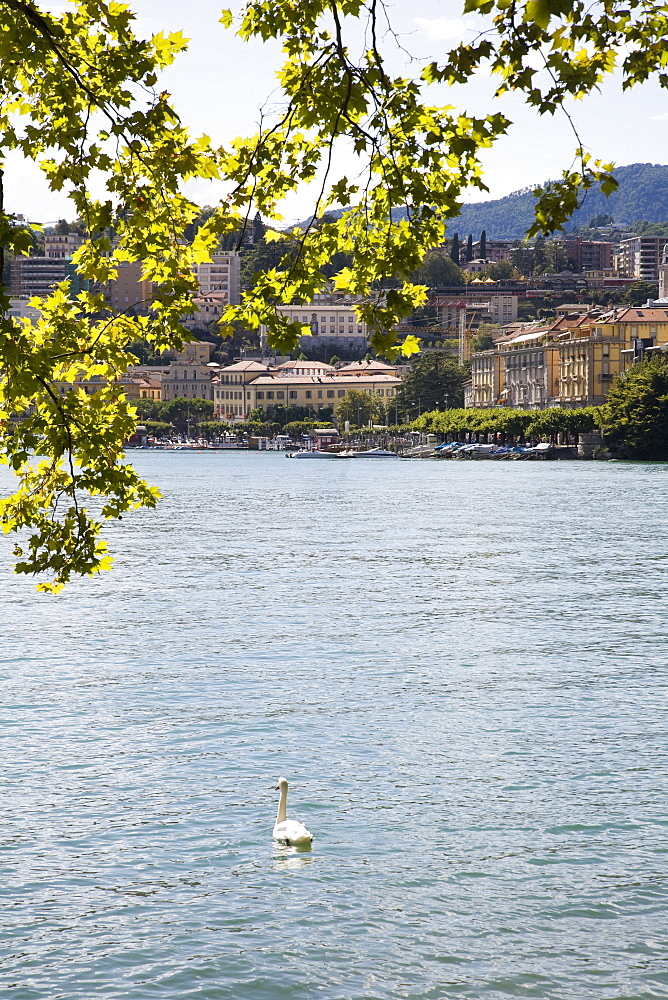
[62, 246]
[640, 257]
[19, 308]
[221, 274]
[207, 309]
[187, 380]
[333, 325]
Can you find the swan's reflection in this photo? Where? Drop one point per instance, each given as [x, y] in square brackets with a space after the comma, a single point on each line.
[292, 858]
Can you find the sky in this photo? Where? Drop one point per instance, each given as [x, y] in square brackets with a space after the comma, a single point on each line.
[220, 84]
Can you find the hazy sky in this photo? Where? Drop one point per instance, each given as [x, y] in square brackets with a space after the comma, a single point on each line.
[219, 85]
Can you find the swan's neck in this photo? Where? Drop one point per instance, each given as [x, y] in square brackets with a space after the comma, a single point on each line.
[282, 802]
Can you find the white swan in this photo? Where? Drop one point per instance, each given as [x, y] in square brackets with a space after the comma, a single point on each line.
[289, 831]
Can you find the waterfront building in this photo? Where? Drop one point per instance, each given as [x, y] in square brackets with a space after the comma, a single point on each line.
[230, 400]
[568, 363]
[585, 360]
[526, 376]
[484, 389]
[315, 391]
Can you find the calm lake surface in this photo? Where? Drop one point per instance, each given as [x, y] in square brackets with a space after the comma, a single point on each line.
[461, 668]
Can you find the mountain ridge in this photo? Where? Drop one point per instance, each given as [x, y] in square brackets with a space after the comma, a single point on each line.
[642, 194]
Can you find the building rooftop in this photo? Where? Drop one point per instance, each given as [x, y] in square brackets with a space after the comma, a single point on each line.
[316, 365]
[246, 366]
[326, 380]
[367, 365]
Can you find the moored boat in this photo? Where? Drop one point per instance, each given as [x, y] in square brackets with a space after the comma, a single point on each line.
[313, 454]
[375, 453]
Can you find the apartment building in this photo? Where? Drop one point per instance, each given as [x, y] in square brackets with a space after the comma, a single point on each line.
[494, 250]
[221, 274]
[37, 275]
[640, 257]
[129, 291]
[589, 255]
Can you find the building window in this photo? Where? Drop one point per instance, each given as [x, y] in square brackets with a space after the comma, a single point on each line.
[280, 394]
[330, 394]
[259, 395]
[341, 393]
[270, 395]
[308, 394]
[319, 393]
[293, 394]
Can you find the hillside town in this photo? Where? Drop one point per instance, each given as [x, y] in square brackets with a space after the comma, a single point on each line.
[536, 340]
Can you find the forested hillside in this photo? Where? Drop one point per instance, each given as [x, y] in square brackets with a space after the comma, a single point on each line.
[642, 194]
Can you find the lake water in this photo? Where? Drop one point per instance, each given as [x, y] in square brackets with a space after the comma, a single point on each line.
[460, 667]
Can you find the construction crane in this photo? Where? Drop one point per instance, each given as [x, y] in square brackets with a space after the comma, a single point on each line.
[466, 333]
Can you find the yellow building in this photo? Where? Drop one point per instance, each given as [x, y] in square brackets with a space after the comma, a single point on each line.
[248, 385]
[230, 400]
[317, 392]
[129, 291]
[486, 379]
[586, 356]
[142, 387]
[640, 331]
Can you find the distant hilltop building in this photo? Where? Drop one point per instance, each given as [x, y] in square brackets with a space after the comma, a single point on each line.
[336, 326]
[62, 246]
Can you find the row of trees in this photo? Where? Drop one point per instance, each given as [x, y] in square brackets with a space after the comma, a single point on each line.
[509, 424]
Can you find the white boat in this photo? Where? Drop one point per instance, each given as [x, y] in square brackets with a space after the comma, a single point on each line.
[313, 454]
[375, 453]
